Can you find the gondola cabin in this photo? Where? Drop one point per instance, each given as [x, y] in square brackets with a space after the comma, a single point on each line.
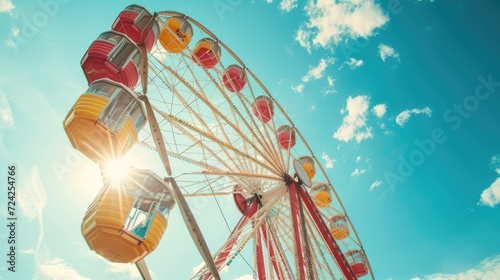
[138, 24]
[338, 227]
[308, 164]
[286, 136]
[263, 108]
[206, 53]
[240, 199]
[357, 261]
[113, 56]
[127, 219]
[322, 195]
[234, 78]
[175, 34]
[105, 121]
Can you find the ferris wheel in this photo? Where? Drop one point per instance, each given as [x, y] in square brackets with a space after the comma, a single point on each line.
[166, 83]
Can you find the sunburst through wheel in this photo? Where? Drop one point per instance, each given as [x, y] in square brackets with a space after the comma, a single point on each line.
[208, 111]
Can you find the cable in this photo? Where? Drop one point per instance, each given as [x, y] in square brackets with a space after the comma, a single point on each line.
[229, 228]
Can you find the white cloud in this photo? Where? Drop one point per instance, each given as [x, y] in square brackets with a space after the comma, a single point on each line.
[487, 269]
[404, 116]
[6, 118]
[288, 5]
[328, 162]
[353, 63]
[358, 158]
[299, 88]
[58, 269]
[32, 200]
[124, 268]
[379, 110]
[303, 37]
[491, 196]
[375, 184]
[245, 277]
[330, 80]
[358, 172]
[331, 21]
[495, 161]
[28, 252]
[15, 31]
[11, 44]
[6, 6]
[318, 71]
[354, 124]
[32, 197]
[330, 89]
[386, 51]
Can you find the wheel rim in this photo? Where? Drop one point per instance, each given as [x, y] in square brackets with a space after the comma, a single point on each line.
[220, 142]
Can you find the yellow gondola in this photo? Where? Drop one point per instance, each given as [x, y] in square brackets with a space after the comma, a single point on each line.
[338, 227]
[175, 34]
[127, 219]
[322, 196]
[104, 122]
[308, 164]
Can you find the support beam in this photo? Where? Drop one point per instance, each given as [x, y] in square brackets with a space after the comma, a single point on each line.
[272, 254]
[223, 254]
[260, 262]
[332, 245]
[143, 269]
[307, 247]
[299, 254]
[281, 253]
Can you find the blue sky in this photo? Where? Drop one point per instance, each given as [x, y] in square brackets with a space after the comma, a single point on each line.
[399, 97]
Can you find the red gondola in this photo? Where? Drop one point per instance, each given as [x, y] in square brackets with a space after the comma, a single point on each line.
[286, 137]
[263, 108]
[113, 56]
[133, 21]
[234, 78]
[356, 260]
[207, 53]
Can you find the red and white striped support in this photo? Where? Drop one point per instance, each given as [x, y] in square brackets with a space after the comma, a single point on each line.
[332, 245]
[221, 258]
[299, 254]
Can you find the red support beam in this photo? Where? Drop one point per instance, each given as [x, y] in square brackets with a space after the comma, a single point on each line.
[332, 245]
[279, 249]
[223, 254]
[261, 267]
[272, 255]
[299, 258]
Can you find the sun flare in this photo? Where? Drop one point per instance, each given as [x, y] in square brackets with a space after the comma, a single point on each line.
[117, 170]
